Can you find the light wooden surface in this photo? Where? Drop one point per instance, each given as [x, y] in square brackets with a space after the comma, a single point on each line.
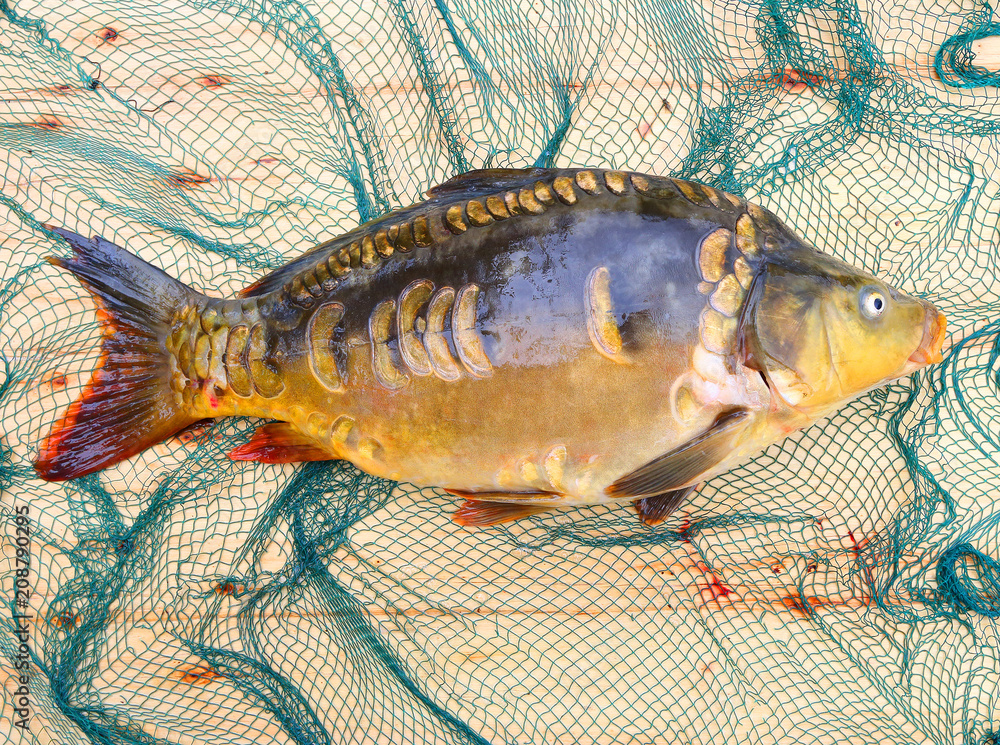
[559, 633]
[986, 53]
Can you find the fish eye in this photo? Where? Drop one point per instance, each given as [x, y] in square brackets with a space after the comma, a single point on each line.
[873, 302]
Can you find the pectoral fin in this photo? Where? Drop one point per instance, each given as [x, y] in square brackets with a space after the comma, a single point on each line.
[654, 510]
[280, 442]
[490, 508]
[685, 464]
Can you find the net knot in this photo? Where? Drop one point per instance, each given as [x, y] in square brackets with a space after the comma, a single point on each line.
[970, 580]
[954, 59]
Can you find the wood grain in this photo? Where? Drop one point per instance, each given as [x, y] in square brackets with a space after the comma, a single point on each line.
[738, 634]
[986, 53]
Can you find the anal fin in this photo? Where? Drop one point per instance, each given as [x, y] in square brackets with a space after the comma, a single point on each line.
[479, 509]
[478, 513]
[280, 442]
[654, 510]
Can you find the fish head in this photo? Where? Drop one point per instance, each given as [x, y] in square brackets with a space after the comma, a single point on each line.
[821, 331]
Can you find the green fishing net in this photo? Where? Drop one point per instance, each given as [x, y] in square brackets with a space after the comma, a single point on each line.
[844, 587]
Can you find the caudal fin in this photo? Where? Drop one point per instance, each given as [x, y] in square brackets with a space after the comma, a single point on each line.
[128, 405]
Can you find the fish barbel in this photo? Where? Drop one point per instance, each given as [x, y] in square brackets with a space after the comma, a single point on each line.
[526, 339]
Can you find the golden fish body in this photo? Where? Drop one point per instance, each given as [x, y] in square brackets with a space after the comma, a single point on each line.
[523, 338]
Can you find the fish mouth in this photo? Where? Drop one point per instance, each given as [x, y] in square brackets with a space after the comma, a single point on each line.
[929, 351]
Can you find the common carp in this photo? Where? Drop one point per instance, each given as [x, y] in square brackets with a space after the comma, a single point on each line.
[525, 339]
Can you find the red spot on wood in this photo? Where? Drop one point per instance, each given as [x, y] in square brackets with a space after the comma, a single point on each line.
[66, 621]
[108, 35]
[227, 588]
[776, 568]
[856, 545]
[683, 533]
[796, 81]
[47, 121]
[58, 380]
[804, 606]
[198, 675]
[214, 81]
[61, 90]
[266, 161]
[794, 603]
[811, 568]
[715, 590]
[718, 589]
[188, 179]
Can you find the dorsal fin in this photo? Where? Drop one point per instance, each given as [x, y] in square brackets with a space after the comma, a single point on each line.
[471, 184]
[278, 277]
[488, 181]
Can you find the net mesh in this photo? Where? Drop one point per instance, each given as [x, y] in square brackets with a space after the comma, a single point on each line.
[843, 587]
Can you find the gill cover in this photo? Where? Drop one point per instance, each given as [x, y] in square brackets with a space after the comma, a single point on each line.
[821, 331]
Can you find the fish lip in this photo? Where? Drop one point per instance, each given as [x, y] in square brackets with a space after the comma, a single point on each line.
[929, 350]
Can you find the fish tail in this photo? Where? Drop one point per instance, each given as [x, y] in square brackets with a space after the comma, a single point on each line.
[128, 405]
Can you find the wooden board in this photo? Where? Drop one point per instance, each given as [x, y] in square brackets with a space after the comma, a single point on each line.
[729, 625]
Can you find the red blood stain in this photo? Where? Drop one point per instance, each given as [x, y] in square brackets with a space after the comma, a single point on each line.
[715, 588]
[855, 544]
[58, 380]
[188, 179]
[805, 606]
[856, 547]
[266, 161]
[47, 121]
[108, 35]
[65, 621]
[795, 603]
[683, 533]
[718, 589]
[198, 675]
[226, 588]
[214, 81]
[61, 90]
[796, 81]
